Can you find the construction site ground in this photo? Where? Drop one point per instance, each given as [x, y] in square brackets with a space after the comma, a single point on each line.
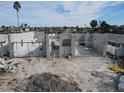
[77, 69]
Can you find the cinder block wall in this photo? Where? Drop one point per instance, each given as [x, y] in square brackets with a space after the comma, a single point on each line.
[49, 51]
[116, 37]
[4, 48]
[76, 38]
[60, 46]
[65, 50]
[89, 40]
[27, 49]
[47, 46]
[100, 41]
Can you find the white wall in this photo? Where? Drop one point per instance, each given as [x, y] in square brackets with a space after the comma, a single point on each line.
[28, 49]
[89, 40]
[65, 50]
[76, 37]
[26, 37]
[4, 46]
[52, 52]
[99, 42]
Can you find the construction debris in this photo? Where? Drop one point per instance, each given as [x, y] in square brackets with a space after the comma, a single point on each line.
[121, 84]
[102, 74]
[47, 82]
[74, 75]
[9, 66]
[116, 69]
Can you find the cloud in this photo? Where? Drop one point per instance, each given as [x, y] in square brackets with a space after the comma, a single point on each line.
[61, 13]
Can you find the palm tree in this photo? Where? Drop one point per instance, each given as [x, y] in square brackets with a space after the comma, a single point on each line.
[17, 6]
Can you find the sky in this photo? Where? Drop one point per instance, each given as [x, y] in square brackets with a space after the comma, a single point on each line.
[62, 13]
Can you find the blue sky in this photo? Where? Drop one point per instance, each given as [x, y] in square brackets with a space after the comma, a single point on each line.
[61, 13]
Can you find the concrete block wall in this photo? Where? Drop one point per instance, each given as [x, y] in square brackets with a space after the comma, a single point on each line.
[65, 50]
[60, 46]
[100, 43]
[116, 37]
[4, 48]
[27, 48]
[96, 41]
[26, 37]
[76, 38]
[88, 39]
[54, 52]
[47, 46]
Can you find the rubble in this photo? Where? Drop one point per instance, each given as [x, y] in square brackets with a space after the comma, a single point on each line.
[9, 66]
[121, 79]
[47, 82]
[102, 74]
[65, 71]
[121, 84]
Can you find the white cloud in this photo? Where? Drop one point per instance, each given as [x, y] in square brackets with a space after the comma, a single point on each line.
[79, 13]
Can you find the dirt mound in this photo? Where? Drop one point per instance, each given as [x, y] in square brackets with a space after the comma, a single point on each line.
[47, 82]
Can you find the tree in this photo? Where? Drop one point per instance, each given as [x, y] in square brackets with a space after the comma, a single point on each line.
[3, 27]
[17, 6]
[25, 25]
[104, 27]
[65, 27]
[93, 23]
